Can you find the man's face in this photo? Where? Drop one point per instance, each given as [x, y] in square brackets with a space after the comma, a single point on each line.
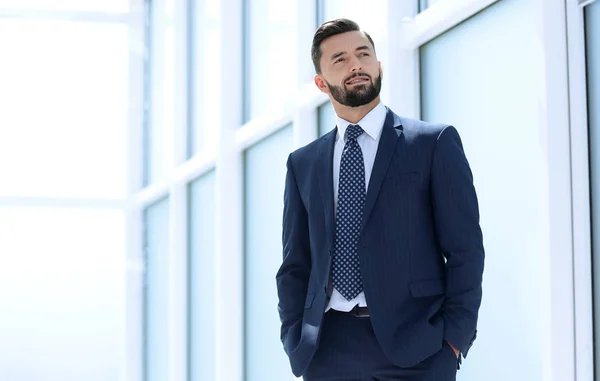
[350, 71]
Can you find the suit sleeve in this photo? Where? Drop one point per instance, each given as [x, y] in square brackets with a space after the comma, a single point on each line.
[293, 275]
[456, 215]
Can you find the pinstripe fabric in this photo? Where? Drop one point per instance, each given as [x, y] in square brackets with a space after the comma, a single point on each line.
[357, 356]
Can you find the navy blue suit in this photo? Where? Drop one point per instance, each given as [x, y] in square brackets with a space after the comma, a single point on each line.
[421, 251]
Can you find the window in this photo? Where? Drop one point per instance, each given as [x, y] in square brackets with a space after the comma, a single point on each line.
[158, 144]
[327, 118]
[265, 171]
[204, 71]
[156, 327]
[65, 97]
[201, 279]
[484, 78]
[62, 293]
[270, 68]
[372, 19]
[66, 107]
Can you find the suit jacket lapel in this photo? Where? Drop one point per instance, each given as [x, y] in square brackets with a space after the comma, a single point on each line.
[326, 182]
[387, 146]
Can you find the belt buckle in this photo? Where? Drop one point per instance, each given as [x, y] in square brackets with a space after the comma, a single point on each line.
[361, 312]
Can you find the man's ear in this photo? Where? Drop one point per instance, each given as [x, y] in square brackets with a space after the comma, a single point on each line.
[321, 84]
[380, 70]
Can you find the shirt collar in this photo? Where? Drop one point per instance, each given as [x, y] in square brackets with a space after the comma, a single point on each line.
[372, 123]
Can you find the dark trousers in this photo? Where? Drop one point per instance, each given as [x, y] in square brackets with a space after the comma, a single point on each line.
[348, 351]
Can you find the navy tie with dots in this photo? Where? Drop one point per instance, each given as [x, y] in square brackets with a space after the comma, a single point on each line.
[351, 201]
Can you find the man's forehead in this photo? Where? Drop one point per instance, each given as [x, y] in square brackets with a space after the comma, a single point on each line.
[345, 41]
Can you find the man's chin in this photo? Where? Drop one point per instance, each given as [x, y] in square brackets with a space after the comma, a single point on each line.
[358, 103]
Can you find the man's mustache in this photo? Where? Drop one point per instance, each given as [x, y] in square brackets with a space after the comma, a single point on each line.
[357, 75]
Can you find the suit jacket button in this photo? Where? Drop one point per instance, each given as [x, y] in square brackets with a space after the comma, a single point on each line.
[325, 289]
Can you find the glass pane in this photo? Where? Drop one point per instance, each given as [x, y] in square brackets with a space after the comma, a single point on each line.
[69, 5]
[327, 118]
[65, 103]
[62, 294]
[204, 74]
[269, 55]
[201, 278]
[264, 183]
[370, 18]
[156, 296]
[592, 34]
[159, 142]
[485, 79]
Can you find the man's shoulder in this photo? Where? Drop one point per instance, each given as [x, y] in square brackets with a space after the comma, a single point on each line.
[416, 128]
[312, 149]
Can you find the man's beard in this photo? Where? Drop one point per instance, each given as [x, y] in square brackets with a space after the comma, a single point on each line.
[358, 96]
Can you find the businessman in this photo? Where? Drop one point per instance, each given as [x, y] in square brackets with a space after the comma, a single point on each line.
[382, 249]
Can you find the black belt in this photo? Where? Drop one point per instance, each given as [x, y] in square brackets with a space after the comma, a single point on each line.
[356, 311]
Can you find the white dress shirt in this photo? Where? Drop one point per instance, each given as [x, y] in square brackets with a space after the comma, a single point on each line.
[372, 124]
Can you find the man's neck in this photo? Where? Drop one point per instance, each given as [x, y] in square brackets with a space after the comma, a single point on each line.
[355, 114]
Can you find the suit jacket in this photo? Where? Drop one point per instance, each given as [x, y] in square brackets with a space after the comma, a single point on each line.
[420, 247]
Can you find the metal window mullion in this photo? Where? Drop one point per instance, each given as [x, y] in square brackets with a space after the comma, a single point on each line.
[133, 359]
[304, 118]
[182, 88]
[156, 87]
[305, 30]
[558, 334]
[229, 260]
[403, 61]
[580, 191]
[229, 255]
[193, 60]
[178, 202]
[135, 270]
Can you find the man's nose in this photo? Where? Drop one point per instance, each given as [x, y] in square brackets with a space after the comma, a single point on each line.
[355, 64]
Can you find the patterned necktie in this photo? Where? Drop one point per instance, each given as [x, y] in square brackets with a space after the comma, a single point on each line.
[351, 201]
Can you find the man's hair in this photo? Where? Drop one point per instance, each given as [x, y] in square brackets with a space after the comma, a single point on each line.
[328, 29]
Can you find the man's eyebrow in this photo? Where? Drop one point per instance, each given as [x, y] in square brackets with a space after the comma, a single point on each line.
[336, 55]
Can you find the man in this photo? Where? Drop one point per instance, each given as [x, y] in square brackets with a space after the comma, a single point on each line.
[382, 248]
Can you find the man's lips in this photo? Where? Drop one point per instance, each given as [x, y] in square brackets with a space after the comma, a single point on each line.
[357, 80]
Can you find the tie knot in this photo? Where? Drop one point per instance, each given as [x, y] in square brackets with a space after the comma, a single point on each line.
[353, 131]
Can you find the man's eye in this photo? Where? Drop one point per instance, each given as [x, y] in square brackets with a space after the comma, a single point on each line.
[339, 60]
[364, 54]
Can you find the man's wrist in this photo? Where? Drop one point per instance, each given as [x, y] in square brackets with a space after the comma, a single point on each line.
[456, 351]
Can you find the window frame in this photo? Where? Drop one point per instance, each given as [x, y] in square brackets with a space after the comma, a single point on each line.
[570, 305]
[407, 30]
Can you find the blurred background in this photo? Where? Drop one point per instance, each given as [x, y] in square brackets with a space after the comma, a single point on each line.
[142, 162]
